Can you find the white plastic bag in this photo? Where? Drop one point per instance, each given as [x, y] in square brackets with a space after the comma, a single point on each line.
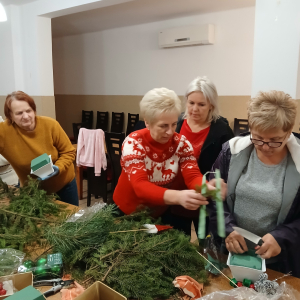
[86, 213]
[284, 292]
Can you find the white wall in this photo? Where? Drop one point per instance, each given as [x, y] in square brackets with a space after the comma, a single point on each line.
[26, 43]
[128, 61]
[7, 79]
[276, 46]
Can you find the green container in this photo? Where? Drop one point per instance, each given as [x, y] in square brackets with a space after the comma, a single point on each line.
[29, 293]
[40, 161]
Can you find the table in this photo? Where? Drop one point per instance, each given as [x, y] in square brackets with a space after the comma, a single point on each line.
[219, 283]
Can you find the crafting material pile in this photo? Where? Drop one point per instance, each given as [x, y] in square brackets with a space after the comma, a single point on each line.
[131, 261]
[24, 213]
[99, 246]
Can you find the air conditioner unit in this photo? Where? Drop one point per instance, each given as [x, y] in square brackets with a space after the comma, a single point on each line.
[185, 36]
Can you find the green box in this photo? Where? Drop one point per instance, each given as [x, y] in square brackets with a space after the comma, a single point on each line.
[40, 161]
[54, 259]
[29, 293]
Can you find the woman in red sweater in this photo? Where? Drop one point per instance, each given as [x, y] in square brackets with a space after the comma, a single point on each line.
[156, 160]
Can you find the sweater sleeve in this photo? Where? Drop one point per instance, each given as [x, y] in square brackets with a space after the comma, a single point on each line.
[2, 136]
[66, 152]
[188, 164]
[133, 163]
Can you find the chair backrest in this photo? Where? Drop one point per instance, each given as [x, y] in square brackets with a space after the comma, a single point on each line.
[139, 125]
[87, 117]
[132, 120]
[240, 126]
[102, 120]
[117, 122]
[76, 128]
[114, 143]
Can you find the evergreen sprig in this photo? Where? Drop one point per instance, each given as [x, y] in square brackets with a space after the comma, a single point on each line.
[25, 214]
[136, 264]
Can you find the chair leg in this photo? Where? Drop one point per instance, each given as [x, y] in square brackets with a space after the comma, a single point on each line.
[89, 187]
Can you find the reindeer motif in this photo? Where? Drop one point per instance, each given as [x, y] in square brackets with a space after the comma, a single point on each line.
[151, 171]
[135, 147]
[166, 173]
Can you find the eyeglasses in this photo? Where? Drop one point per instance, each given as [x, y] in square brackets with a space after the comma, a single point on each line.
[270, 144]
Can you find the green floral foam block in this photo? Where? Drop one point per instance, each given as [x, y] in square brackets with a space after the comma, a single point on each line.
[248, 259]
[39, 162]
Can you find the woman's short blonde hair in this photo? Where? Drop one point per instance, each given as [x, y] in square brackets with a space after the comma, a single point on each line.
[209, 90]
[158, 101]
[272, 110]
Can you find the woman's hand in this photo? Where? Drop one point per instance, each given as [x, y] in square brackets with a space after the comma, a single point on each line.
[212, 183]
[189, 199]
[55, 172]
[269, 248]
[236, 243]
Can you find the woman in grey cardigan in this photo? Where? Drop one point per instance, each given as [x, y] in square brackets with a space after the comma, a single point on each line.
[262, 171]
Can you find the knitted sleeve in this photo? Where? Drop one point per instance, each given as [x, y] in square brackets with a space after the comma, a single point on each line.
[2, 136]
[66, 151]
[188, 164]
[133, 164]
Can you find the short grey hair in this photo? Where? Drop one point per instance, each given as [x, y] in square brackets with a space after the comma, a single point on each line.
[158, 101]
[207, 87]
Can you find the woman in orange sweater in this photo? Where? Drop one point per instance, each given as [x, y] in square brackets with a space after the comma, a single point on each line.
[156, 160]
[25, 136]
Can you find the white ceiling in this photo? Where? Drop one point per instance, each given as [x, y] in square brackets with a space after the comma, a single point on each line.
[137, 12]
[16, 2]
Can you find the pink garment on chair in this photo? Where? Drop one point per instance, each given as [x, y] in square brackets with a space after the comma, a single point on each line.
[90, 149]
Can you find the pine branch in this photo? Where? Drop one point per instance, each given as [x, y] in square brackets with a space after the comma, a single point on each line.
[25, 216]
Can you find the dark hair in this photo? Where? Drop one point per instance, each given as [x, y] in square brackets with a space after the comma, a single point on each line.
[20, 96]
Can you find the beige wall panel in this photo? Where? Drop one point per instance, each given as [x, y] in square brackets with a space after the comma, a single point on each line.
[69, 107]
[2, 100]
[45, 106]
[233, 107]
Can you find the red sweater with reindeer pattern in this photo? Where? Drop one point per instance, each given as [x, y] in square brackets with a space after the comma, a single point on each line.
[150, 168]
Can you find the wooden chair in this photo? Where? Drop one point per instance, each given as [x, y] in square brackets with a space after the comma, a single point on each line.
[132, 120]
[117, 122]
[87, 117]
[240, 126]
[114, 143]
[76, 128]
[102, 120]
[96, 185]
[139, 125]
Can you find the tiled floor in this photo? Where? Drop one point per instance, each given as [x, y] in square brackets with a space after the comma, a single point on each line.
[83, 202]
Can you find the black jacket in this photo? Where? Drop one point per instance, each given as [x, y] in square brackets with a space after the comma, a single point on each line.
[219, 133]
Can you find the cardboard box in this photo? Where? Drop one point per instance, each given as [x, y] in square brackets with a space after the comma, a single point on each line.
[20, 281]
[100, 291]
[29, 293]
[39, 168]
[240, 273]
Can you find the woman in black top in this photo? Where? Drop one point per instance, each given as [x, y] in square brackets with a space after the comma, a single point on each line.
[206, 130]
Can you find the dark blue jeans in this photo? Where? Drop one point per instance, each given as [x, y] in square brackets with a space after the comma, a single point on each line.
[69, 193]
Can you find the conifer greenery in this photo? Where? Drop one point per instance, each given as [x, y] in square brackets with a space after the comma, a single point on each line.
[25, 213]
[136, 264]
